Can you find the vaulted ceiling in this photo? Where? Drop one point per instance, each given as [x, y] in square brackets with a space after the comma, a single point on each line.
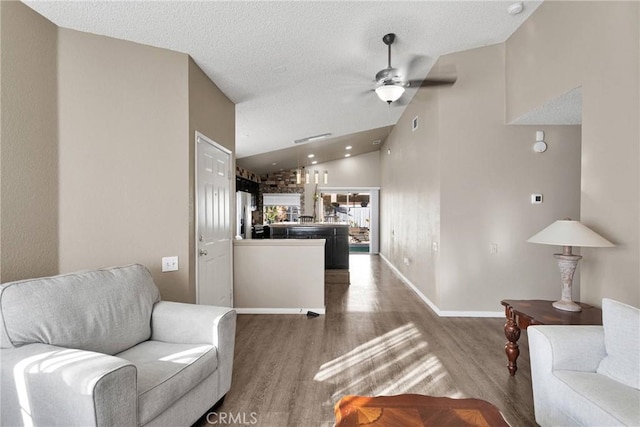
[296, 69]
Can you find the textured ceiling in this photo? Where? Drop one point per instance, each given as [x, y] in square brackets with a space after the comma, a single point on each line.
[298, 68]
[564, 110]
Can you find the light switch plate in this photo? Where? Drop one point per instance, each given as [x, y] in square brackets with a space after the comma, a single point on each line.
[169, 263]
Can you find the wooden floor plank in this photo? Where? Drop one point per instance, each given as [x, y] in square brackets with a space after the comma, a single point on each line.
[376, 338]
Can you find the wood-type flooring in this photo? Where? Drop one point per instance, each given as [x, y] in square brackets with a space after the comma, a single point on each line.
[377, 338]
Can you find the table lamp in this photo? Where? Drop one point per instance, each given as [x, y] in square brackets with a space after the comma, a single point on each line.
[568, 233]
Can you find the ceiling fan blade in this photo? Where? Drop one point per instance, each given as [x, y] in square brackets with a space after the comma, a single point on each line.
[417, 62]
[429, 82]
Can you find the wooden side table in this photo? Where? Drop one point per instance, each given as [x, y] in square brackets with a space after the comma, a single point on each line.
[522, 313]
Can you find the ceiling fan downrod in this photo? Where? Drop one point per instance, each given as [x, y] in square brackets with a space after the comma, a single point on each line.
[388, 39]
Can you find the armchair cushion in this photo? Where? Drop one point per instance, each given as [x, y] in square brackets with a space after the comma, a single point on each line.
[166, 372]
[622, 342]
[594, 399]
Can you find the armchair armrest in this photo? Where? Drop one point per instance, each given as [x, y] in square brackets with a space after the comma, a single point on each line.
[48, 385]
[198, 324]
[560, 347]
[571, 347]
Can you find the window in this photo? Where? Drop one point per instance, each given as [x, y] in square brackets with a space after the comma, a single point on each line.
[281, 207]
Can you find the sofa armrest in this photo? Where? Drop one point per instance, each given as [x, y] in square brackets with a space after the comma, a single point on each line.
[570, 347]
[48, 385]
[198, 324]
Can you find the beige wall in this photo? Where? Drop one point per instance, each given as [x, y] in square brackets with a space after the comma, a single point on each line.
[352, 172]
[124, 159]
[594, 45]
[29, 148]
[101, 171]
[212, 114]
[410, 194]
[463, 181]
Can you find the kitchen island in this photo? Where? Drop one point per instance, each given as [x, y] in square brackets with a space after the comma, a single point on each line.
[336, 235]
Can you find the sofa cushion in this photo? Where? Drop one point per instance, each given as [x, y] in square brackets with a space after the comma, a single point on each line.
[622, 342]
[106, 311]
[166, 372]
[594, 399]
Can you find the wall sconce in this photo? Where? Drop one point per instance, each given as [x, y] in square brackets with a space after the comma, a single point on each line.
[315, 177]
[306, 179]
[298, 176]
[540, 146]
[326, 177]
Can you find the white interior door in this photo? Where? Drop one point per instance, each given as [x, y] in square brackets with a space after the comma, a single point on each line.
[214, 248]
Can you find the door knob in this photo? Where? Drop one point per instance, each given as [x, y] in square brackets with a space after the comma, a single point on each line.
[203, 252]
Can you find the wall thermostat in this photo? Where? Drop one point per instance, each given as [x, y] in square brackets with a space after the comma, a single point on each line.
[536, 199]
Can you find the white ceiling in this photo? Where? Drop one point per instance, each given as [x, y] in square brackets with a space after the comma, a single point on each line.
[298, 68]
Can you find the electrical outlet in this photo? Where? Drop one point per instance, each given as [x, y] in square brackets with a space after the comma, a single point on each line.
[434, 246]
[169, 263]
[494, 248]
[406, 261]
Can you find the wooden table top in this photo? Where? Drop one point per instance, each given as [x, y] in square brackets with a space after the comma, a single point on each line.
[543, 313]
[414, 410]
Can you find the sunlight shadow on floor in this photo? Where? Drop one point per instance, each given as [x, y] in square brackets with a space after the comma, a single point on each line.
[400, 361]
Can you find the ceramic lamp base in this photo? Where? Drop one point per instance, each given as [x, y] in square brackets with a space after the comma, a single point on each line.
[566, 306]
[567, 262]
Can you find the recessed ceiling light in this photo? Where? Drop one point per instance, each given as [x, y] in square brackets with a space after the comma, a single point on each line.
[315, 162]
[311, 156]
[273, 164]
[376, 142]
[347, 155]
[515, 8]
[348, 147]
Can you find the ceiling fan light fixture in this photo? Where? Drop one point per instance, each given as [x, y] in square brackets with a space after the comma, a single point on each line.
[389, 92]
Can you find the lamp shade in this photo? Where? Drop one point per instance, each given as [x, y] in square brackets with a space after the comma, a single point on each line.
[389, 92]
[570, 233]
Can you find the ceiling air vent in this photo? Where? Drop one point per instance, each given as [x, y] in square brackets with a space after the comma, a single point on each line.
[312, 138]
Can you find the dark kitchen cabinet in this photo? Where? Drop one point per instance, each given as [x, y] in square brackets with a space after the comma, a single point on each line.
[336, 247]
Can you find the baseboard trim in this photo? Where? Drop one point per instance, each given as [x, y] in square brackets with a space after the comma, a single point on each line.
[432, 306]
[278, 310]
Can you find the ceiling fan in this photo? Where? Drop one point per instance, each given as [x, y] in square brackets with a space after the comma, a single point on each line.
[390, 85]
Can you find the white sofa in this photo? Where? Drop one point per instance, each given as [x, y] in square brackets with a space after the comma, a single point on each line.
[588, 375]
[99, 348]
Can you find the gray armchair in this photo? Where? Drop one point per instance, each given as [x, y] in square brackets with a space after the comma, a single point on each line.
[99, 348]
